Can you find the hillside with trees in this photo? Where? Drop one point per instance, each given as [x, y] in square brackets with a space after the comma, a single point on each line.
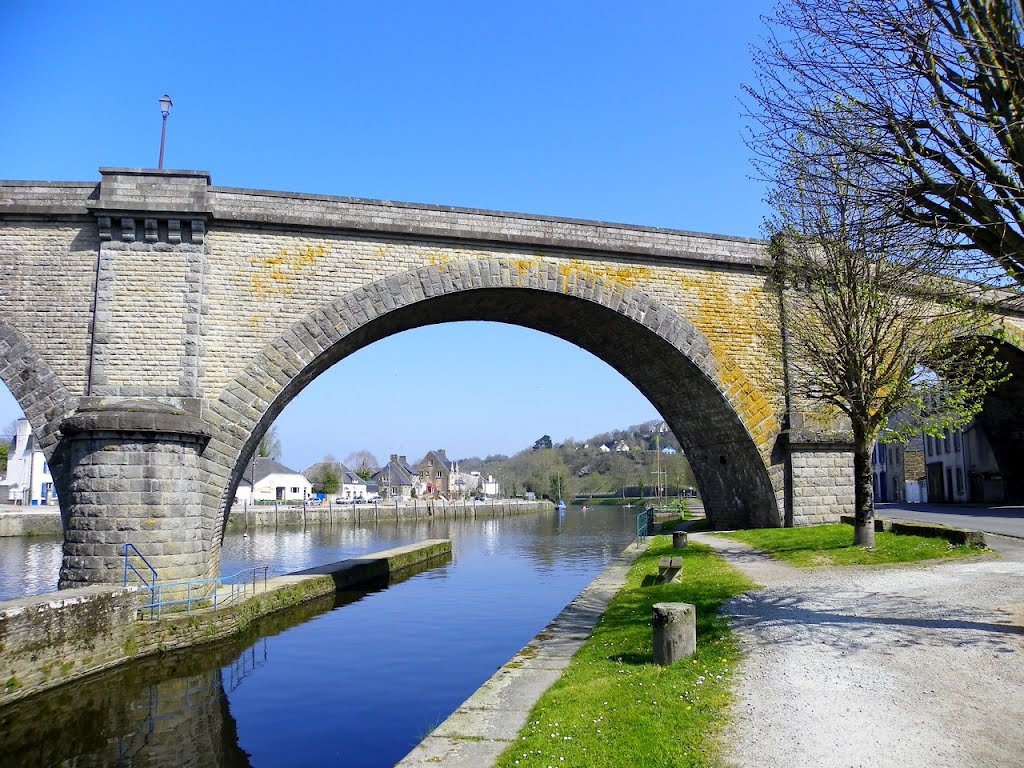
[598, 465]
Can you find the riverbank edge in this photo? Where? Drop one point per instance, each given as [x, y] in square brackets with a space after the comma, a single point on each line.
[49, 640]
[46, 521]
[483, 726]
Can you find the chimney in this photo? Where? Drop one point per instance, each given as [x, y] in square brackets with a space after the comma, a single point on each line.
[394, 457]
[403, 459]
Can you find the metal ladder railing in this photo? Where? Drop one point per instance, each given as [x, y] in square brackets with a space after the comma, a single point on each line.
[205, 593]
[193, 594]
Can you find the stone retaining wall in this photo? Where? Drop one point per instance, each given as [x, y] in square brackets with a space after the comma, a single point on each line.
[32, 521]
[48, 640]
[267, 515]
[40, 521]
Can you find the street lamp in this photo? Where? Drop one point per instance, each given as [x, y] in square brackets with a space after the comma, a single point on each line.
[165, 110]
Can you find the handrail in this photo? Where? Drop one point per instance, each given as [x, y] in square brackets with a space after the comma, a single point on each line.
[128, 565]
[203, 598]
[644, 522]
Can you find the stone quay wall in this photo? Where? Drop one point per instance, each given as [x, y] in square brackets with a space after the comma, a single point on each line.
[30, 521]
[270, 516]
[49, 640]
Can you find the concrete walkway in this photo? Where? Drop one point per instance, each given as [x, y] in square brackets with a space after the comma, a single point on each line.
[895, 666]
[481, 729]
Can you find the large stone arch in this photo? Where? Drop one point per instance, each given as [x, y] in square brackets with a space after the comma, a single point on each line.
[1002, 417]
[37, 389]
[661, 353]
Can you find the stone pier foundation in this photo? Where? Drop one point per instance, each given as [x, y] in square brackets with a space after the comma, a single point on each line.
[130, 471]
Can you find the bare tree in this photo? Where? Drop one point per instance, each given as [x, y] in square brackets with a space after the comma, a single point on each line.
[928, 94]
[363, 463]
[270, 445]
[873, 324]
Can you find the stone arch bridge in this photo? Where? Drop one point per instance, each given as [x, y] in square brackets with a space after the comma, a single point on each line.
[152, 326]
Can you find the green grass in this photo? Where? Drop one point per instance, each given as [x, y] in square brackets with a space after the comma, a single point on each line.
[613, 706]
[823, 545]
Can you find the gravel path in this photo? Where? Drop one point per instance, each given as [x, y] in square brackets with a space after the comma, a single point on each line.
[879, 666]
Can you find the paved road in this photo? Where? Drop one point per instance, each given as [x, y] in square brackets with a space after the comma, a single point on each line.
[1008, 520]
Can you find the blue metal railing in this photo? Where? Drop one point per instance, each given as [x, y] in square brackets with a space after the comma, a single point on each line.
[644, 524]
[202, 593]
[129, 567]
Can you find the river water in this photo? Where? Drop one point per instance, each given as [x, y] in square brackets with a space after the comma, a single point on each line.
[355, 680]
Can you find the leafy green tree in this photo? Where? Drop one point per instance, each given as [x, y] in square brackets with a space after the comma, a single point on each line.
[330, 479]
[542, 442]
[866, 304]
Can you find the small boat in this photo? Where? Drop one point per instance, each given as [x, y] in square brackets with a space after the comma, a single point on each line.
[561, 506]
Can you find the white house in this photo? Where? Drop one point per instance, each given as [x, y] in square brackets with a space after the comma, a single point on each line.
[273, 482]
[28, 477]
[490, 486]
[353, 487]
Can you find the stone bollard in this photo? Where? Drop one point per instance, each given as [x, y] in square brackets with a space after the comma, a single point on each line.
[678, 539]
[675, 632]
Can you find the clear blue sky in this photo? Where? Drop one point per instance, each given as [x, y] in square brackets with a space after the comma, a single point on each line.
[592, 110]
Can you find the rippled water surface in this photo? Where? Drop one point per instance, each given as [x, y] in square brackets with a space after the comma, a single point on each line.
[357, 681]
[29, 565]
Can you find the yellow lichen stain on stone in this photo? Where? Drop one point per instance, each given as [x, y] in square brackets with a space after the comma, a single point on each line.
[728, 317]
[255, 321]
[524, 266]
[276, 274]
[625, 276]
[436, 257]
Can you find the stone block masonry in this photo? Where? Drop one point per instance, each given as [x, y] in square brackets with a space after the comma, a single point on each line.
[221, 305]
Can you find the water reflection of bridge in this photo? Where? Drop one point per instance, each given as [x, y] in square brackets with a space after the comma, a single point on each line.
[170, 710]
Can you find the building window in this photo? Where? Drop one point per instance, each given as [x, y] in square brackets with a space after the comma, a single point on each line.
[928, 445]
[959, 481]
[439, 474]
[295, 490]
[956, 441]
[945, 441]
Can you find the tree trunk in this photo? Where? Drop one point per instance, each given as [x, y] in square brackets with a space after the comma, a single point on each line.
[863, 493]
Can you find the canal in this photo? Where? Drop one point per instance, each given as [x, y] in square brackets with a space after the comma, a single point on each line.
[354, 680]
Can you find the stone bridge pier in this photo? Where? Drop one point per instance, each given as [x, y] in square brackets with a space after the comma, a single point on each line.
[129, 474]
[153, 326]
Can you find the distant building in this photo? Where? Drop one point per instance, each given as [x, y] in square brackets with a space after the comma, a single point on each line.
[669, 450]
[28, 476]
[266, 480]
[622, 447]
[490, 487]
[960, 466]
[888, 472]
[438, 474]
[954, 467]
[396, 479]
[351, 487]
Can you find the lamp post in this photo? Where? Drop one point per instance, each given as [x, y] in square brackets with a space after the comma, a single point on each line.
[165, 110]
